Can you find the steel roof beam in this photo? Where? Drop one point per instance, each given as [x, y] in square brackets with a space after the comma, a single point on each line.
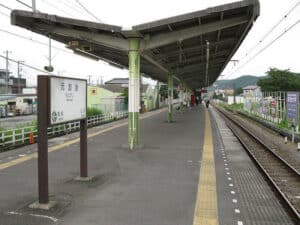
[197, 59]
[101, 39]
[196, 74]
[172, 37]
[149, 57]
[194, 49]
[197, 66]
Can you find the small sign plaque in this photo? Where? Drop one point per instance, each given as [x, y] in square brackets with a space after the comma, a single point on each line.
[67, 100]
[292, 103]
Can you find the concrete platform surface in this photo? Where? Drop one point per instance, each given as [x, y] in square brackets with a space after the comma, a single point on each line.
[154, 185]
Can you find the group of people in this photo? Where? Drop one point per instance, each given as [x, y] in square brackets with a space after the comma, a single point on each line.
[196, 100]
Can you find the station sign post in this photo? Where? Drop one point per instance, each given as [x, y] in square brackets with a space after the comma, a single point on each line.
[292, 105]
[60, 100]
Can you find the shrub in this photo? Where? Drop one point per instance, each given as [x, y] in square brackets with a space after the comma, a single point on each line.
[93, 112]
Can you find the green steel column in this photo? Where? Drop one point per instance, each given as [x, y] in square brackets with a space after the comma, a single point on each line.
[134, 93]
[157, 95]
[181, 96]
[170, 97]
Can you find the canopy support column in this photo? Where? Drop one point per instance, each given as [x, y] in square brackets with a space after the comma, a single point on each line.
[170, 97]
[181, 97]
[134, 93]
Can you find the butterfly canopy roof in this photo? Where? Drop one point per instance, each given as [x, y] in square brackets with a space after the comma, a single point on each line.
[196, 46]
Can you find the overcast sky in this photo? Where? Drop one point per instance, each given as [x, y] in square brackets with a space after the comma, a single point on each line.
[283, 54]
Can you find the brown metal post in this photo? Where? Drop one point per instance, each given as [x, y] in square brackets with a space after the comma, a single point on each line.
[43, 98]
[83, 149]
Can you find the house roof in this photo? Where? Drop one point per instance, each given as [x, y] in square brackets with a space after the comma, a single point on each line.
[117, 88]
[175, 44]
[250, 87]
[113, 88]
[118, 81]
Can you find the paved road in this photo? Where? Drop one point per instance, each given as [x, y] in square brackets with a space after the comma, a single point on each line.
[13, 122]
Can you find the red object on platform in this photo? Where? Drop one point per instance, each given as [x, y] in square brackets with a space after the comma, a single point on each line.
[193, 100]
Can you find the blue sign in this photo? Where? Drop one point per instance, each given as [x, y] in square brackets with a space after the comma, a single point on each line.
[292, 104]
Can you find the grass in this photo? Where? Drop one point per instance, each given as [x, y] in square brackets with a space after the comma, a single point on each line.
[236, 106]
[33, 123]
[284, 124]
[93, 112]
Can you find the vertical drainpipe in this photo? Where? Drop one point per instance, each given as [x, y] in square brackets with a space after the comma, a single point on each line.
[134, 93]
[170, 97]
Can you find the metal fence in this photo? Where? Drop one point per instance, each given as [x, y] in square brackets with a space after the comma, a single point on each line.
[21, 136]
[271, 106]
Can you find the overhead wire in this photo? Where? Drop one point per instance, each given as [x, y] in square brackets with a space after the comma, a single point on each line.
[33, 40]
[25, 4]
[88, 11]
[233, 70]
[73, 3]
[268, 45]
[55, 7]
[4, 14]
[272, 29]
[6, 7]
[39, 42]
[72, 6]
[25, 64]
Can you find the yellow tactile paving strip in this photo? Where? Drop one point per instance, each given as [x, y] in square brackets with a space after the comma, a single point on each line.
[206, 212]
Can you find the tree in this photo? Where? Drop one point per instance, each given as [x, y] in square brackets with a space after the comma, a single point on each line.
[125, 95]
[163, 91]
[218, 96]
[238, 91]
[280, 80]
[175, 93]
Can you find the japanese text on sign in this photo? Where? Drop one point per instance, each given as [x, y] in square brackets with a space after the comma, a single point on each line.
[292, 103]
[67, 100]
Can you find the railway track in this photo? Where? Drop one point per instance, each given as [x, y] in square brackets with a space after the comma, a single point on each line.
[283, 176]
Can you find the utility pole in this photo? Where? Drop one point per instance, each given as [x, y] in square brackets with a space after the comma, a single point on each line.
[89, 76]
[19, 75]
[49, 68]
[234, 93]
[34, 5]
[101, 81]
[7, 72]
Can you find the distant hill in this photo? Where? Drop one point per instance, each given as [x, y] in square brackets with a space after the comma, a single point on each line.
[242, 81]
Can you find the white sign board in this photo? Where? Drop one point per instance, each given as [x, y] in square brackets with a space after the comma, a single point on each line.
[67, 99]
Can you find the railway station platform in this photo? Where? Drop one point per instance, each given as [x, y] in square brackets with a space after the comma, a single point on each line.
[189, 172]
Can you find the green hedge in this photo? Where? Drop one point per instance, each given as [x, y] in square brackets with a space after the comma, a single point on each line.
[93, 112]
